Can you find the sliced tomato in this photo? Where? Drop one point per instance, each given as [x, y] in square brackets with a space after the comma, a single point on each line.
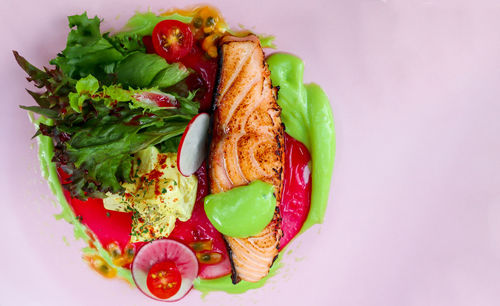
[164, 279]
[161, 251]
[172, 40]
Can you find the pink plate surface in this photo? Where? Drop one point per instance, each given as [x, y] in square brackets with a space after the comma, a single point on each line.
[414, 211]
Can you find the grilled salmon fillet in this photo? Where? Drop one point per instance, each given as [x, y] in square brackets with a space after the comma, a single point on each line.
[247, 145]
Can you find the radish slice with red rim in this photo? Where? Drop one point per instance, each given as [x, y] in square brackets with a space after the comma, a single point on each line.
[157, 98]
[193, 146]
[160, 251]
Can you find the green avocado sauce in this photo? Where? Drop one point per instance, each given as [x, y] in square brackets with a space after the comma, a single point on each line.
[242, 211]
[307, 116]
[225, 283]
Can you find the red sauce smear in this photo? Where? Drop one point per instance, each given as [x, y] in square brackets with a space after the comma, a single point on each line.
[108, 226]
[296, 196]
[203, 79]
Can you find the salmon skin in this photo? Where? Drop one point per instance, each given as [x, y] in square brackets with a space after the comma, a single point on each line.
[247, 145]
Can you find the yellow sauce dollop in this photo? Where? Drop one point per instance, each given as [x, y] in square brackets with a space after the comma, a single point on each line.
[158, 195]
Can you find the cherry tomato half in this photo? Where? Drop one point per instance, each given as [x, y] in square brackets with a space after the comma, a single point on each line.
[164, 279]
[172, 40]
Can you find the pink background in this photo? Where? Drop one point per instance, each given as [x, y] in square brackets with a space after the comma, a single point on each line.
[414, 212]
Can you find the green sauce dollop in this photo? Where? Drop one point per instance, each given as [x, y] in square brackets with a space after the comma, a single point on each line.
[242, 211]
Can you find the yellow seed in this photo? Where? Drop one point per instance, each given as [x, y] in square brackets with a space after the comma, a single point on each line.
[212, 51]
[209, 45]
[203, 245]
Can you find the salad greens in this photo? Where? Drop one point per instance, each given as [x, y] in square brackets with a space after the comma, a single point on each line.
[119, 58]
[89, 52]
[97, 120]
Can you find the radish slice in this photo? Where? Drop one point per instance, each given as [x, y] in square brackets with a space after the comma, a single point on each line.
[160, 251]
[157, 98]
[193, 145]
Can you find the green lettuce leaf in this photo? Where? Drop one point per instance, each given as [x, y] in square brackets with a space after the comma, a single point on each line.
[87, 51]
[171, 145]
[146, 70]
